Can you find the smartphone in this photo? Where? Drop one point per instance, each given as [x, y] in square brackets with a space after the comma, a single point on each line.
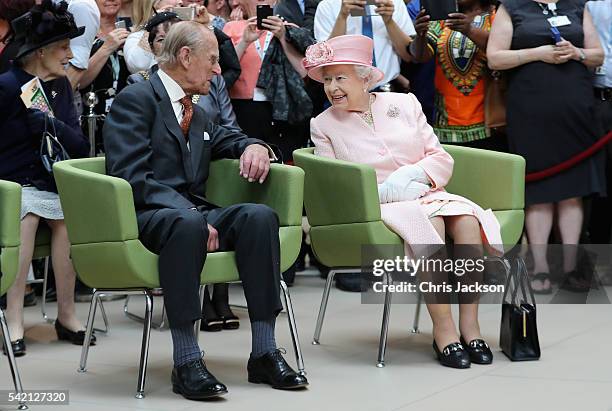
[185, 13]
[362, 10]
[439, 9]
[123, 23]
[263, 12]
[556, 35]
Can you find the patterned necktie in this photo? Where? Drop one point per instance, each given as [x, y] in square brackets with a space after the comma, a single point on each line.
[366, 30]
[187, 115]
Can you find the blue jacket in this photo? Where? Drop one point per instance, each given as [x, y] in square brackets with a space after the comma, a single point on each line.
[20, 138]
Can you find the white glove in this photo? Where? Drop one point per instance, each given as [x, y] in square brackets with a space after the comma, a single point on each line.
[392, 193]
[404, 184]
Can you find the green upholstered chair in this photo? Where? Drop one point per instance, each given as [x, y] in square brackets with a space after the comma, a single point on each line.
[10, 210]
[343, 209]
[108, 256]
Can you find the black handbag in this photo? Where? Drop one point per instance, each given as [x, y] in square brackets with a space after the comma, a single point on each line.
[51, 150]
[518, 336]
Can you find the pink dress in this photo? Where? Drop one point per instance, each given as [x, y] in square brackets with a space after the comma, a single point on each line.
[401, 136]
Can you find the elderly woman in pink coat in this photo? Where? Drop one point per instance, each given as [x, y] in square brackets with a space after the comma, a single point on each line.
[389, 132]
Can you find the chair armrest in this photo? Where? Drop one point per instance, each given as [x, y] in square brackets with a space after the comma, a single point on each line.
[283, 189]
[10, 213]
[97, 208]
[489, 178]
[336, 191]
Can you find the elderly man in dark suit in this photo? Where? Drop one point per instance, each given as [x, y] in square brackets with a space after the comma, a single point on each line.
[162, 143]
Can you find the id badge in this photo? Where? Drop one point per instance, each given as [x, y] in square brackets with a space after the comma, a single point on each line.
[600, 71]
[108, 104]
[259, 95]
[559, 21]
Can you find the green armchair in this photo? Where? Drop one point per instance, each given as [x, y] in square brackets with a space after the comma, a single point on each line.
[491, 179]
[108, 256]
[10, 210]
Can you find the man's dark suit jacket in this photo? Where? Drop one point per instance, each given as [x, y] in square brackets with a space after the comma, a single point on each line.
[145, 145]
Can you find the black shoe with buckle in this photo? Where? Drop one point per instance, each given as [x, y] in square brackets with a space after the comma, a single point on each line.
[194, 382]
[453, 355]
[18, 346]
[271, 368]
[479, 351]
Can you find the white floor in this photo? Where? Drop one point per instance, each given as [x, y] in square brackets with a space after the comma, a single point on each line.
[574, 373]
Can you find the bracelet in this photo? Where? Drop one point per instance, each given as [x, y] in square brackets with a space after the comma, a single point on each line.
[582, 56]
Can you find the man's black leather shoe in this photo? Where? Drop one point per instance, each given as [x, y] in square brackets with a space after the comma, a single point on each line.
[272, 369]
[194, 382]
[453, 355]
[479, 351]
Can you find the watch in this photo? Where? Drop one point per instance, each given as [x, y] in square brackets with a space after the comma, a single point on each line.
[582, 56]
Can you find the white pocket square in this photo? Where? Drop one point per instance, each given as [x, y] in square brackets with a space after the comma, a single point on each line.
[206, 136]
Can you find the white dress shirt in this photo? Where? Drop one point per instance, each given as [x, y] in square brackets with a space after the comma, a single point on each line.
[386, 58]
[175, 92]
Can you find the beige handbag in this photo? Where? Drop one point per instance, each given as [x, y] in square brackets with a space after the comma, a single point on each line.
[495, 100]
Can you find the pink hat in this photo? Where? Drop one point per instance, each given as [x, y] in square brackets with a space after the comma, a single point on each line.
[350, 49]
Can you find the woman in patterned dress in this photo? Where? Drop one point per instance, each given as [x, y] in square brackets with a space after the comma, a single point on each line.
[459, 47]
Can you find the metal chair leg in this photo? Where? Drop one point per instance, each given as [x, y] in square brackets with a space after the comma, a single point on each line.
[323, 308]
[43, 304]
[89, 330]
[385, 326]
[11, 359]
[196, 325]
[417, 313]
[146, 337]
[106, 329]
[161, 325]
[293, 328]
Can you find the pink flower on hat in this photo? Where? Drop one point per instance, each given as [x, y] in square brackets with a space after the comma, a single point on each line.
[319, 53]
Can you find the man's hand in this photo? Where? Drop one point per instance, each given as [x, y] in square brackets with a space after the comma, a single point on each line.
[255, 163]
[459, 22]
[385, 8]
[348, 5]
[213, 239]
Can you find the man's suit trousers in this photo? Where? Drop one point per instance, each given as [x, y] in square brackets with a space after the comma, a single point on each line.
[180, 236]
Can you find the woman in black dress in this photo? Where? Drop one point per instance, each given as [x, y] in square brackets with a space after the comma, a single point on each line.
[550, 112]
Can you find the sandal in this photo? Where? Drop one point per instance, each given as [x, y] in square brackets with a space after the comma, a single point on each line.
[542, 278]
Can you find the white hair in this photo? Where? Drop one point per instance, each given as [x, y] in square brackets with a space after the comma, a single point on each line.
[184, 34]
[366, 73]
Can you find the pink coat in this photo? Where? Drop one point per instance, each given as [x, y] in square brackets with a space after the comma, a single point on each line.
[400, 136]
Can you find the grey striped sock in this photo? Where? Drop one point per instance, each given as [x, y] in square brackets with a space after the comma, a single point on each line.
[184, 344]
[262, 335]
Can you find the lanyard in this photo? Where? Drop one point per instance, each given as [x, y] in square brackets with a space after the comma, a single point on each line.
[260, 51]
[115, 66]
[550, 6]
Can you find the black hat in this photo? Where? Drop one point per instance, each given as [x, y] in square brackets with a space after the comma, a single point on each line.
[160, 18]
[44, 24]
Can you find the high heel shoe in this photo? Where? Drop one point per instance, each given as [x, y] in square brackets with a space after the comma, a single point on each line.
[18, 346]
[210, 320]
[453, 355]
[479, 351]
[75, 337]
[220, 301]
